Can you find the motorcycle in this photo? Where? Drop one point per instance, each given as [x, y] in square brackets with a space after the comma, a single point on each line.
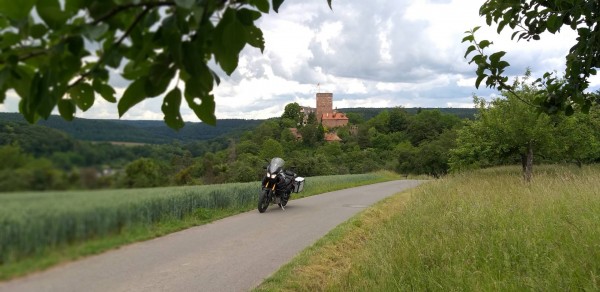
[278, 185]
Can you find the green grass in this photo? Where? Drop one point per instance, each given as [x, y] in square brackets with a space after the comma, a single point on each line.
[41, 229]
[480, 231]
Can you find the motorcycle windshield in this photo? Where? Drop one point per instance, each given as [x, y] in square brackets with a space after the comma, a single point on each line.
[276, 165]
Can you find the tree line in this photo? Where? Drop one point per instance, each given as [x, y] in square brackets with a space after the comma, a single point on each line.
[505, 130]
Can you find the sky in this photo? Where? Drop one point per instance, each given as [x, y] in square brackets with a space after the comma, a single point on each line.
[377, 53]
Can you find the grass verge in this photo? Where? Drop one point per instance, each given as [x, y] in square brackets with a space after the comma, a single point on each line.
[134, 232]
[479, 231]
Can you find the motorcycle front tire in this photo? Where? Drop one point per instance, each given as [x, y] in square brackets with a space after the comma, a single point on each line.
[263, 201]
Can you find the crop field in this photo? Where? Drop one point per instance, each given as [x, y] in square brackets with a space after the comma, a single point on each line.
[31, 223]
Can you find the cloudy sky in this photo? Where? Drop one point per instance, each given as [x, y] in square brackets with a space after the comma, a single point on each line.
[377, 53]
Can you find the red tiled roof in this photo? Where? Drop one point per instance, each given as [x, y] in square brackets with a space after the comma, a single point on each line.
[332, 137]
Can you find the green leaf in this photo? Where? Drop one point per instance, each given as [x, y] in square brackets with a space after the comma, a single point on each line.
[75, 44]
[199, 85]
[133, 70]
[95, 32]
[261, 5]
[113, 58]
[501, 26]
[255, 37]
[484, 43]
[247, 16]
[512, 37]
[73, 6]
[4, 76]
[470, 49]
[230, 39]
[35, 96]
[277, 4]
[554, 23]
[158, 79]
[133, 95]
[9, 39]
[198, 12]
[187, 4]
[105, 90]
[203, 106]
[215, 77]
[20, 80]
[170, 108]
[194, 64]
[479, 79]
[67, 109]
[83, 95]
[16, 9]
[495, 57]
[49, 11]
[469, 38]
[38, 31]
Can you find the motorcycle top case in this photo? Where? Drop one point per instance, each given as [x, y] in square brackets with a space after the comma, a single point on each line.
[299, 185]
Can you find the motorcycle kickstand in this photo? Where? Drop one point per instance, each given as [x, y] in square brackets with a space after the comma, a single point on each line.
[282, 208]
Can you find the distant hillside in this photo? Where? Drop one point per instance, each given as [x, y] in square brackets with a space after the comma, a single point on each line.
[154, 132]
[368, 113]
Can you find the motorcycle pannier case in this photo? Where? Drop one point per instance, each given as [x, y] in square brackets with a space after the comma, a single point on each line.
[299, 185]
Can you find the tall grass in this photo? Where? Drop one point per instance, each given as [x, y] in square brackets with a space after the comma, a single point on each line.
[32, 223]
[479, 231]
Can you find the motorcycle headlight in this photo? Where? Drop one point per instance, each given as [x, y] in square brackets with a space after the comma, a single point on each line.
[273, 175]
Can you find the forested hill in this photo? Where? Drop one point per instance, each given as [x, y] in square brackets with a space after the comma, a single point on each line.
[156, 132]
[153, 132]
[368, 113]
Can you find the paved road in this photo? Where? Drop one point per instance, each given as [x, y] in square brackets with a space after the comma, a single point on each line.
[232, 254]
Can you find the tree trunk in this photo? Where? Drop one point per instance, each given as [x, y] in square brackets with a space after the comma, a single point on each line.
[527, 161]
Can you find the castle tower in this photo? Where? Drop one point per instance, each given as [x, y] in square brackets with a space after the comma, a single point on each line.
[324, 105]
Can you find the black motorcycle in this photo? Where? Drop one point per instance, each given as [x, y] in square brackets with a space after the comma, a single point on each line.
[278, 185]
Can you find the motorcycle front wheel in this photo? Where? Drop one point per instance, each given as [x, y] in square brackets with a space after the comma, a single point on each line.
[263, 201]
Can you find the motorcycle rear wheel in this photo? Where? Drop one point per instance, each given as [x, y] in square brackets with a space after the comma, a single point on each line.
[263, 201]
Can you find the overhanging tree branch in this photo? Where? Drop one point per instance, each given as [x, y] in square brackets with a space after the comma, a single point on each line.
[138, 18]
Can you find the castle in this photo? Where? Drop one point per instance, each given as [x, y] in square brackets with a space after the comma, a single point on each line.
[325, 113]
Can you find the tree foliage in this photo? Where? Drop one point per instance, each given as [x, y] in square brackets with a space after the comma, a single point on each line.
[293, 112]
[510, 131]
[529, 20]
[60, 54]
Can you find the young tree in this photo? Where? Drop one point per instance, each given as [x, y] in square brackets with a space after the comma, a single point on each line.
[428, 124]
[293, 112]
[57, 53]
[529, 20]
[398, 120]
[271, 148]
[504, 129]
[142, 173]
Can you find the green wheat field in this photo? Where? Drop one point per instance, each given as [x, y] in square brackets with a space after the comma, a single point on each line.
[40, 229]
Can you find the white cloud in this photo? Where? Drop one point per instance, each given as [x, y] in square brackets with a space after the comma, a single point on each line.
[379, 53]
